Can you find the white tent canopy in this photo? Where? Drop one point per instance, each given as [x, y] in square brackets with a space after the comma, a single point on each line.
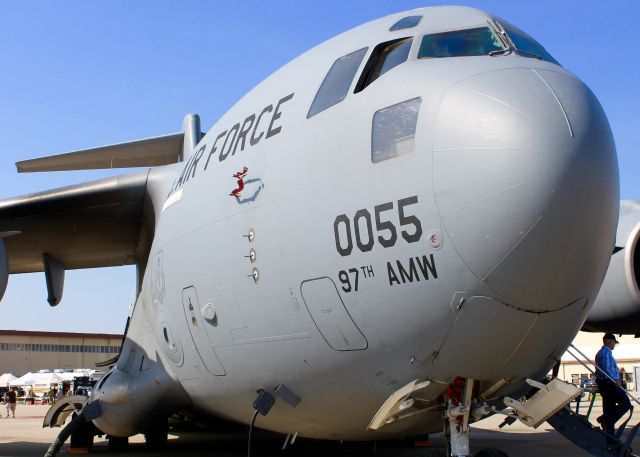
[46, 379]
[24, 380]
[68, 376]
[6, 378]
[36, 379]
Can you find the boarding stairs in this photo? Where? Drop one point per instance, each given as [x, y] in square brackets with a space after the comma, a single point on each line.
[577, 428]
[569, 423]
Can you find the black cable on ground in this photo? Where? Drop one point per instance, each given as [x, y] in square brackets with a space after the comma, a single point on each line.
[253, 420]
[64, 434]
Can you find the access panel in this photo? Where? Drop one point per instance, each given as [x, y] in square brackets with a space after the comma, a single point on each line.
[195, 322]
[328, 312]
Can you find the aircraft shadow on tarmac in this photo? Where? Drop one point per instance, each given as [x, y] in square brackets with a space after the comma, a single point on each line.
[190, 441]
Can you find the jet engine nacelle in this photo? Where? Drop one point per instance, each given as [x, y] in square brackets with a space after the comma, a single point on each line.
[617, 306]
[4, 268]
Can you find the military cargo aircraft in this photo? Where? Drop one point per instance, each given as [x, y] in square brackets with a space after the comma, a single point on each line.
[392, 235]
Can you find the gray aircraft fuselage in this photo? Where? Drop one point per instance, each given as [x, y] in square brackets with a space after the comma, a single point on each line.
[474, 251]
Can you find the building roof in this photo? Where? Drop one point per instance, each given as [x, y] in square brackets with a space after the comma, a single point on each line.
[60, 334]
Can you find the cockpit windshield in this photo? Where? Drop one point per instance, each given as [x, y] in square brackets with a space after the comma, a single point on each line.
[460, 43]
[525, 45]
[495, 40]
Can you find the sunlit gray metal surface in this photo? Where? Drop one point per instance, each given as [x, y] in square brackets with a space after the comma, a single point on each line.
[87, 225]
[150, 152]
[503, 196]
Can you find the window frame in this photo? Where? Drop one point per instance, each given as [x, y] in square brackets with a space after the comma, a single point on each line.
[418, 100]
[448, 33]
[324, 87]
[365, 79]
[414, 21]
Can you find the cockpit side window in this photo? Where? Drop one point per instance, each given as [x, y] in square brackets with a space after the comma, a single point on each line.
[393, 130]
[336, 83]
[460, 43]
[384, 57]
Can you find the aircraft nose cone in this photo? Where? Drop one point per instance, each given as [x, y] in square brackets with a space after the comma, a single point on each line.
[526, 183]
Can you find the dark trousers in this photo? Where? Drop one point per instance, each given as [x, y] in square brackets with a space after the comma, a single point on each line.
[615, 403]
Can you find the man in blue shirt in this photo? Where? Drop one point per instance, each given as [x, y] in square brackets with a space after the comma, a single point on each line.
[615, 402]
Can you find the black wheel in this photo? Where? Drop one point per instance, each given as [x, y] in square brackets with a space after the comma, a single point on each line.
[118, 443]
[433, 453]
[491, 453]
[82, 436]
[81, 439]
[156, 437]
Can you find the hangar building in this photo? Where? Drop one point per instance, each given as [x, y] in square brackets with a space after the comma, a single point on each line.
[24, 351]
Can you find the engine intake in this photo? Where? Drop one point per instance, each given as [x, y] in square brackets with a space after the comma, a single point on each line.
[617, 306]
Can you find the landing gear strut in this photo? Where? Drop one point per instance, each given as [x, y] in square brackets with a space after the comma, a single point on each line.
[457, 417]
[460, 406]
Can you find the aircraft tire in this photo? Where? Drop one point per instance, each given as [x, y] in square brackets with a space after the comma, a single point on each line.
[491, 453]
[118, 443]
[156, 438]
[82, 436]
[433, 453]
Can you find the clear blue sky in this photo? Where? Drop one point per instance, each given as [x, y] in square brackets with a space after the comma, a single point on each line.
[78, 74]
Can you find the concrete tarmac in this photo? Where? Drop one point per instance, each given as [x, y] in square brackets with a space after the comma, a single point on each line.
[25, 437]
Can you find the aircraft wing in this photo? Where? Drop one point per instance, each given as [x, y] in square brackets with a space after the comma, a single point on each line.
[94, 224]
[103, 223]
[150, 152]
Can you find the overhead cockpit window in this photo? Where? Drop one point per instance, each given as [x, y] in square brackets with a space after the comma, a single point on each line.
[383, 58]
[471, 42]
[336, 84]
[406, 23]
[394, 129]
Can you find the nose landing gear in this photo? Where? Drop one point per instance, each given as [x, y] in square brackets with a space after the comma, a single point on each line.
[460, 406]
[458, 410]
[457, 417]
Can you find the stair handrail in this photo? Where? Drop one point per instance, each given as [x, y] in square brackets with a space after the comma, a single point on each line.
[597, 368]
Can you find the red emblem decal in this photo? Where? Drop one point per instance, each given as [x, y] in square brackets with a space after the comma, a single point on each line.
[240, 177]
